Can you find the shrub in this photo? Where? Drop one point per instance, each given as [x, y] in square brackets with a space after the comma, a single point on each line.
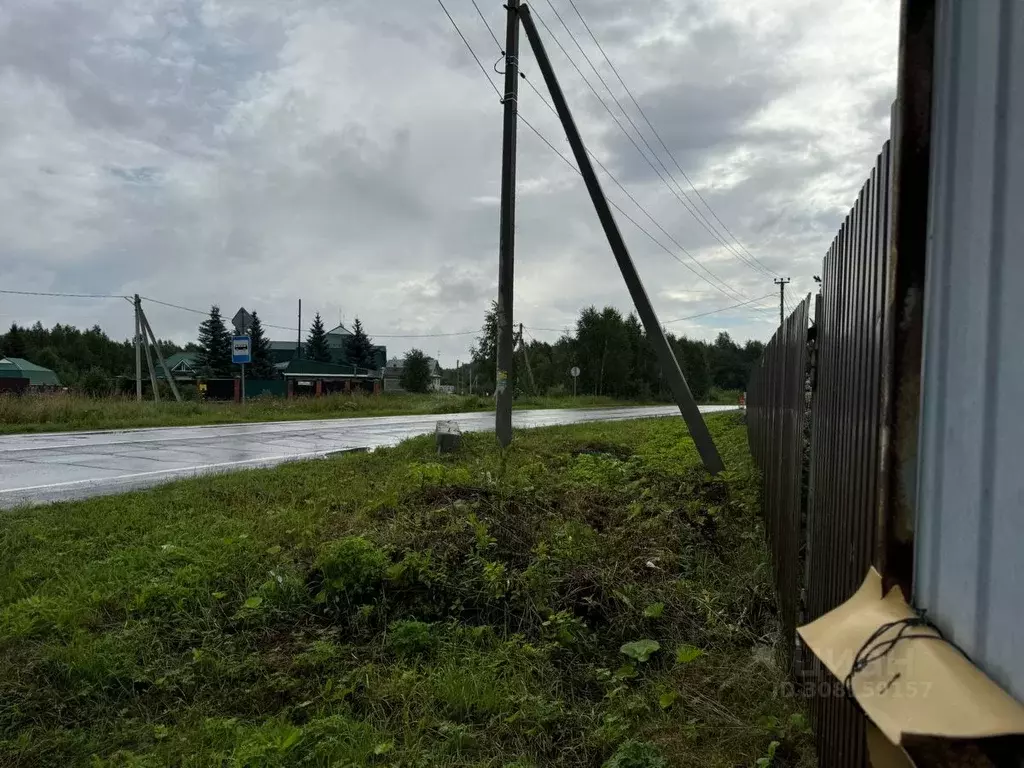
[95, 383]
[410, 638]
[636, 754]
[351, 567]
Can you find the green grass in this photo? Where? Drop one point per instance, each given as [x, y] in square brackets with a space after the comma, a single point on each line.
[50, 413]
[399, 609]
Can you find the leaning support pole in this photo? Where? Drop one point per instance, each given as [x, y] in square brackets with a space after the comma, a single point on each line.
[159, 354]
[149, 358]
[670, 366]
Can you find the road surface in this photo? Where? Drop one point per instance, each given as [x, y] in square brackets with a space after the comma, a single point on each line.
[59, 466]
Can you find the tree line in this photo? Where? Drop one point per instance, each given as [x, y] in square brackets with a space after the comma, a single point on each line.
[615, 358]
[612, 351]
[87, 360]
[92, 362]
[214, 347]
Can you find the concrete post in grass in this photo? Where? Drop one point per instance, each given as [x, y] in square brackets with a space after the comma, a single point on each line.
[448, 435]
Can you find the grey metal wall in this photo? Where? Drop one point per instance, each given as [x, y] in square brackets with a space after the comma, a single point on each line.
[969, 558]
[776, 410]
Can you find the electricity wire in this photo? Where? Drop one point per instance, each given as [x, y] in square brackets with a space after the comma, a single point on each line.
[676, 320]
[64, 295]
[764, 267]
[568, 162]
[296, 330]
[681, 198]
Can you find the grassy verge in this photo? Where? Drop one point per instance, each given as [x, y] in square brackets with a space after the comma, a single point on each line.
[45, 413]
[590, 597]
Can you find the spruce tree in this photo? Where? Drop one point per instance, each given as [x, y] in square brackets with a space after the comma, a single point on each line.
[416, 372]
[214, 346]
[359, 348]
[262, 360]
[14, 343]
[316, 343]
[485, 351]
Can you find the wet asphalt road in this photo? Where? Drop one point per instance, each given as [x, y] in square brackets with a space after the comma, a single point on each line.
[59, 466]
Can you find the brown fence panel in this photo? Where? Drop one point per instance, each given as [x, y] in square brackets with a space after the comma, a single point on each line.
[776, 407]
[842, 472]
[844, 445]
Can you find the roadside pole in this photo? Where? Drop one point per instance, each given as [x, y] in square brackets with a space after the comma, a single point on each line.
[241, 353]
[506, 244]
[655, 333]
[781, 282]
[138, 350]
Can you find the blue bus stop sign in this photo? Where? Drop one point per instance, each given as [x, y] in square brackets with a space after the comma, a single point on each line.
[241, 350]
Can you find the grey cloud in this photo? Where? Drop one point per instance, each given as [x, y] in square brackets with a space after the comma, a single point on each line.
[160, 74]
[251, 153]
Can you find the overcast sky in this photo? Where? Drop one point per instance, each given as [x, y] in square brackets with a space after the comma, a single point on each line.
[347, 152]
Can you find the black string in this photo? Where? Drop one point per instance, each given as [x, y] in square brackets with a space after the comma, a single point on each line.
[875, 648]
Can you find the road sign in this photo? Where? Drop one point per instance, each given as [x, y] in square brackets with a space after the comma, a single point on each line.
[241, 350]
[242, 321]
[574, 372]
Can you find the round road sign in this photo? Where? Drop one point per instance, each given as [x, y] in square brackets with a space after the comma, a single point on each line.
[574, 371]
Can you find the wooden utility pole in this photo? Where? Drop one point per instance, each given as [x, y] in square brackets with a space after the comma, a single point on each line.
[298, 337]
[781, 282]
[138, 349]
[506, 244]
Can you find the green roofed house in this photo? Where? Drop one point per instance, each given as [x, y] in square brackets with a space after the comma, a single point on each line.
[183, 366]
[37, 376]
[337, 342]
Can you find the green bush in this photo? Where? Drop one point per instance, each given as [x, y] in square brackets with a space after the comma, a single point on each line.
[410, 638]
[95, 383]
[352, 567]
[636, 754]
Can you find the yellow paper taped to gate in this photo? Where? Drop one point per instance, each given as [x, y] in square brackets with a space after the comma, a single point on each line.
[921, 687]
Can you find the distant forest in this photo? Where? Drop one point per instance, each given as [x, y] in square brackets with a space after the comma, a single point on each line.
[612, 351]
[615, 358]
[87, 360]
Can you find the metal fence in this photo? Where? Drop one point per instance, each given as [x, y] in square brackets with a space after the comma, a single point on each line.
[913, 489]
[845, 443]
[776, 408]
[823, 545]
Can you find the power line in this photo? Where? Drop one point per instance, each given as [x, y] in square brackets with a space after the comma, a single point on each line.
[727, 288]
[687, 205]
[625, 215]
[479, 63]
[177, 306]
[295, 330]
[678, 319]
[723, 309]
[735, 293]
[421, 335]
[65, 295]
[470, 47]
[664, 146]
[494, 37]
